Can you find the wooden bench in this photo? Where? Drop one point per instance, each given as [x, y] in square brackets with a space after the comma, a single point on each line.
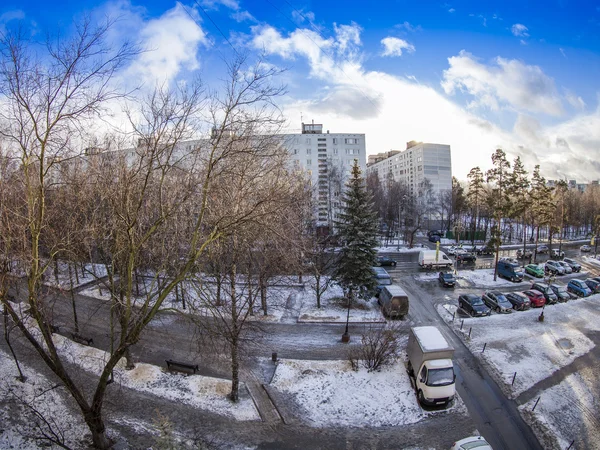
[81, 340]
[181, 367]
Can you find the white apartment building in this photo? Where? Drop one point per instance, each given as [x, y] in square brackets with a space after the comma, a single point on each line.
[327, 158]
[411, 166]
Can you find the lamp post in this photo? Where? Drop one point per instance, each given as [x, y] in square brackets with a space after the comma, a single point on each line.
[457, 229]
[400, 213]
[346, 335]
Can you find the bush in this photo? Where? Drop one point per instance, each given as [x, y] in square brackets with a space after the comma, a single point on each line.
[379, 347]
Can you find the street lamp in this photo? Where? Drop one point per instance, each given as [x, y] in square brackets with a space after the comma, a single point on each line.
[401, 213]
[457, 229]
[346, 335]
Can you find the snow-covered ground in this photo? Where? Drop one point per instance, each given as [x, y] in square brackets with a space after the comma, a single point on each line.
[333, 307]
[534, 350]
[78, 276]
[332, 394]
[481, 278]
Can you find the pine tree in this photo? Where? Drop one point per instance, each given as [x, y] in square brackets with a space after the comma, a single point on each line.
[357, 234]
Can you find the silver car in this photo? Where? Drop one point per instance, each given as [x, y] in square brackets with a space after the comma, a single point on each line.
[566, 266]
[554, 267]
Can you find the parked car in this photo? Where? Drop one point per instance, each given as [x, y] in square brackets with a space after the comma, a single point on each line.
[385, 261]
[524, 254]
[435, 233]
[510, 269]
[519, 301]
[561, 292]
[453, 249]
[435, 238]
[585, 248]
[567, 268]
[463, 257]
[557, 254]
[534, 270]
[536, 298]
[594, 285]
[497, 301]
[485, 250]
[579, 288]
[549, 294]
[473, 305]
[575, 266]
[554, 268]
[510, 260]
[542, 249]
[447, 279]
[472, 443]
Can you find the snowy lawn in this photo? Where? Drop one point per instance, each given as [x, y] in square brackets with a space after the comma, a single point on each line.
[19, 424]
[200, 392]
[333, 307]
[571, 410]
[520, 343]
[79, 275]
[278, 294]
[332, 394]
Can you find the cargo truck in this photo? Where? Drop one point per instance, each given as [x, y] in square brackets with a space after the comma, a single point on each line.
[430, 366]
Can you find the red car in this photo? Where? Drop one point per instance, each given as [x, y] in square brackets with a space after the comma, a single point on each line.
[536, 298]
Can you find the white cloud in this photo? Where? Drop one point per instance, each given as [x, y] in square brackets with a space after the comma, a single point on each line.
[15, 14]
[347, 36]
[408, 27]
[523, 42]
[575, 101]
[518, 29]
[356, 100]
[243, 16]
[506, 83]
[562, 52]
[301, 16]
[393, 46]
[214, 4]
[451, 10]
[171, 43]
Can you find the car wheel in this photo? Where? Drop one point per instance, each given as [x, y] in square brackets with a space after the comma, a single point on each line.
[421, 397]
[498, 309]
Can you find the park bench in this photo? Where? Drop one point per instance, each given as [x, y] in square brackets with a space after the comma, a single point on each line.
[181, 367]
[81, 340]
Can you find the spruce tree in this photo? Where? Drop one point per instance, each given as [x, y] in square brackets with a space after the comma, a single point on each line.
[357, 234]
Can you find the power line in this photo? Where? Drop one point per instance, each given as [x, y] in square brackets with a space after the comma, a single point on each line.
[214, 24]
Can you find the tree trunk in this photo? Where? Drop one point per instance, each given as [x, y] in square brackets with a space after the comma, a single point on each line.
[21, 377]
[263, 294]
[95, 423]
[235, 376]
[55, 263]
[73, 306]
[318, 289]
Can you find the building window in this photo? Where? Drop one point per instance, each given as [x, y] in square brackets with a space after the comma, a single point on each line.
[309, 162]
[295, 151]
[335, 140]
[351, 141]
[419, 159]
[308, 140]
[308, 151]
[419, 168]
[335, 151]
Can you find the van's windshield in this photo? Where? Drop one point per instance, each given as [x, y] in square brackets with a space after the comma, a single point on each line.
[440, 377]
[384, 281]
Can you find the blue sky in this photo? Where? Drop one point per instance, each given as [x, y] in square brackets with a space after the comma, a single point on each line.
[522, 76]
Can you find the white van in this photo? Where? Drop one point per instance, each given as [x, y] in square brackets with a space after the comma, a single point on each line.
[432, 258]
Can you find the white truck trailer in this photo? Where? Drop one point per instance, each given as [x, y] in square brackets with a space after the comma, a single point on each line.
[430, 366]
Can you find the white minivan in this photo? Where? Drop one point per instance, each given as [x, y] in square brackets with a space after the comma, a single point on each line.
[432, 258]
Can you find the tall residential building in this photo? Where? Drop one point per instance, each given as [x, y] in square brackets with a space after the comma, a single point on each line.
[411, 166]
[327, 158]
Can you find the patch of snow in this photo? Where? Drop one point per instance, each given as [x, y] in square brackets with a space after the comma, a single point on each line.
[335, 395]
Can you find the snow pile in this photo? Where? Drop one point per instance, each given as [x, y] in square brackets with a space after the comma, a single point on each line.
[335, 395]
[79, 275]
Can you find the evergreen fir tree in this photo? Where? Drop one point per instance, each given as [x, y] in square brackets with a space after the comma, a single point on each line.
[357, 235]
